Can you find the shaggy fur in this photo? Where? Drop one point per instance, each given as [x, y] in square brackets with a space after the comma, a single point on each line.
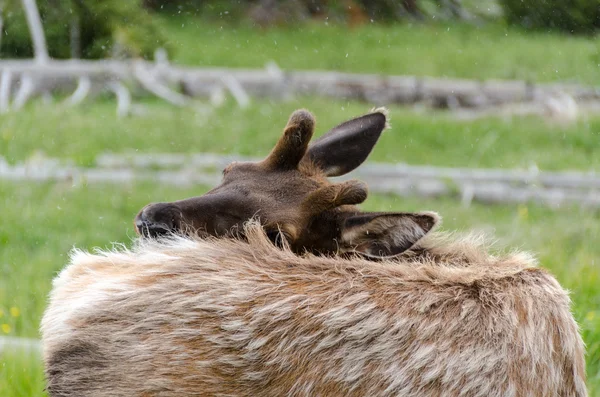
[192, 317]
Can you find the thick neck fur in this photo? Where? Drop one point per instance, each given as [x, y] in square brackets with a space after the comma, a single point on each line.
[223, 317]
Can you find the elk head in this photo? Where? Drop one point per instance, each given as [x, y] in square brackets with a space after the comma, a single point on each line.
[289, 193]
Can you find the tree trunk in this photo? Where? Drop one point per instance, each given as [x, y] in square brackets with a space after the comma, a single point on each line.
[75, 37]
[412, 8]
[1, 22]
[37, 30]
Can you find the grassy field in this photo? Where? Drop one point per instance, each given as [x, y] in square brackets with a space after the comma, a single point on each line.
[486, 51]
[45, 221]
[430, 138]
[40, 223]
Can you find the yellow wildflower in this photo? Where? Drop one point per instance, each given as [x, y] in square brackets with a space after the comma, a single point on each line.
[523, 212]
[14, 311]
[6, 328]
[1, 313]
[590, 316]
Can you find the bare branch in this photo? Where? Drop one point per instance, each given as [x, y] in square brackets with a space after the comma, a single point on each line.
[150, 83]
[236, 90]
[123, 98]
[37, 30]
[161, 58]
[274, 70]
[26, 90]
[5, 83]
[217, 96]
[81, 92]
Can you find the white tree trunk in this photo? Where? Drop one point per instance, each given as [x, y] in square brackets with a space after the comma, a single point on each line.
[75, 37]
[1, 24]
[5, 83]
[37, 30]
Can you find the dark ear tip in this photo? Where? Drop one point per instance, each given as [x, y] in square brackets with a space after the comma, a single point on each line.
[302, 117]
[383, 116]
[428, 220]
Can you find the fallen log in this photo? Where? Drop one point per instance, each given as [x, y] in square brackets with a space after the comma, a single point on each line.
[486, 186]
[379, 89]
[20, 345]
[372, 171]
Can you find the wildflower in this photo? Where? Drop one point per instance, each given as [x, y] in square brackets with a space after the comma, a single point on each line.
[6, 328]
[523, 212]
[1, 313]
[590, 316]
[14, 311]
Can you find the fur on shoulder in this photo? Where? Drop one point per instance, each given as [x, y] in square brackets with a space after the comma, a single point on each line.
[439, 255]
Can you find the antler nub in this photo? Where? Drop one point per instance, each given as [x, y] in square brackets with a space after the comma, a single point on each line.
[332, 196]
[291, 147]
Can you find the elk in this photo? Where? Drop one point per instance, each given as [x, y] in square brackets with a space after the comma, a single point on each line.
[289, 193]
[274, 283]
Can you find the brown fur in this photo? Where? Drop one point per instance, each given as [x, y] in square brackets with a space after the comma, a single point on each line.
[208, 317]
[289, 194]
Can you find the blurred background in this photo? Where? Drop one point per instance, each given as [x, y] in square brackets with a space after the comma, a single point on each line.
[108, 105]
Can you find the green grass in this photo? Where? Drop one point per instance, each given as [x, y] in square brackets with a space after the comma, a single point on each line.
[40, 223]
[429, 138]
[21, 375]
[484, 51]
[44, 221]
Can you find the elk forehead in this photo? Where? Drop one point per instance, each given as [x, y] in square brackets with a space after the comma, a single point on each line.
[289, 193]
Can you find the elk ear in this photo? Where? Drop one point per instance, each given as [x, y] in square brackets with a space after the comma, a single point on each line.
[346, 146]
[383, 234]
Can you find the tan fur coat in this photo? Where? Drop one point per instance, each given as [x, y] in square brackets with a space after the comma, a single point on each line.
[188, 317]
